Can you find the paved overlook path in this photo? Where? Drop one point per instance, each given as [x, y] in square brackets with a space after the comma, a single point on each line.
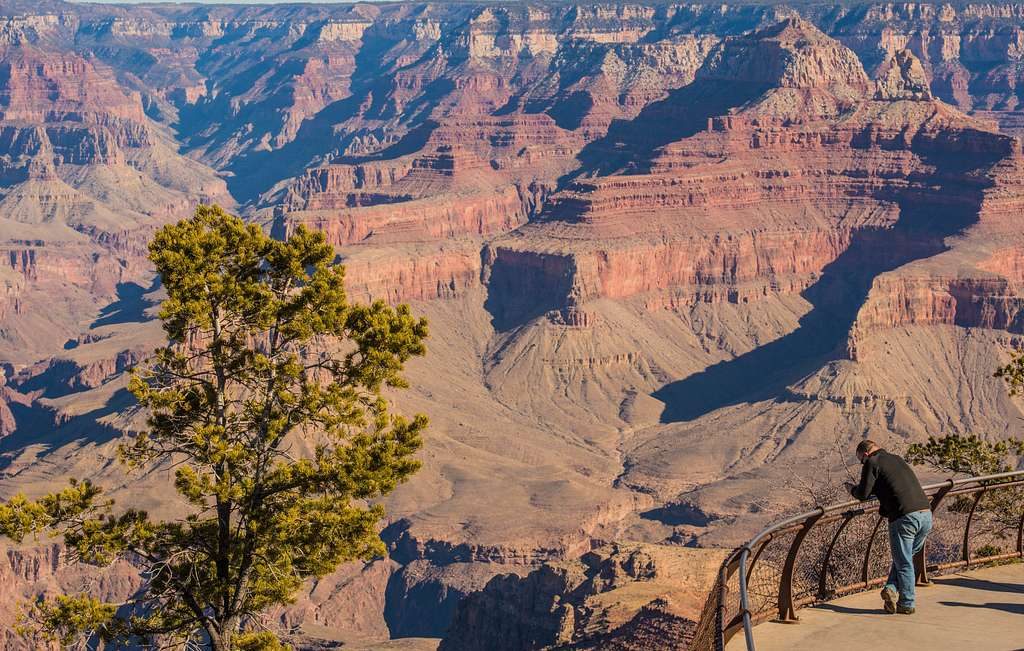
[979, 610]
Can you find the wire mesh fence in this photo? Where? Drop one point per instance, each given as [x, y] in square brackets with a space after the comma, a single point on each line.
[844, 548]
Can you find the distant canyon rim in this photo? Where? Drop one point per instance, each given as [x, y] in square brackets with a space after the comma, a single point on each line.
[677, 260]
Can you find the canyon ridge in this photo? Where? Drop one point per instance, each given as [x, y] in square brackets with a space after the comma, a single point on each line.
[677, 260]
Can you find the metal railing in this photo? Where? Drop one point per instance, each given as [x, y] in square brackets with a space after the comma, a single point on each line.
[834, 550]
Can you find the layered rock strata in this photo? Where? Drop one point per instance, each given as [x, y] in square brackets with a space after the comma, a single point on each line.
[710, 217]
[86, 180]
[670, 253]
[610, 598]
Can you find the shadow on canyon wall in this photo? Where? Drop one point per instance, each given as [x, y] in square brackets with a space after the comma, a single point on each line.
[822, 333]
[543, 607]
[38, 425]
[630, 145]
[130, 306]
[518, 293]
[420, 600]
[256, 170]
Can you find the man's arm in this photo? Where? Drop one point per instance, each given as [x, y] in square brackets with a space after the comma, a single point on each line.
[868, 475]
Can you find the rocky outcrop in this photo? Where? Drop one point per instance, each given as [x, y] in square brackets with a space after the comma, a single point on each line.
[584, 604]
[706, 219]
[57, 377]
[415, 220]
[790, 54]
[633, 227]
[902, 77]
[86, 179]
[40, 87]
[414, 272]
[900, 301]
[30, 571]
[966, 51]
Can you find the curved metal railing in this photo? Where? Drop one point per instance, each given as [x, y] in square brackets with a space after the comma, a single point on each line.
[833, 551]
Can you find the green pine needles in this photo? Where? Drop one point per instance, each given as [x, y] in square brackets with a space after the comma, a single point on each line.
[268, 403]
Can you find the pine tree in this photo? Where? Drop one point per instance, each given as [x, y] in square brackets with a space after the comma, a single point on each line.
[266, 359]
[999, 511]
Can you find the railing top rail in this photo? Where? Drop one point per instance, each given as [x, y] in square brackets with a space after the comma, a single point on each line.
[968, 480]
[851, 508]
[859, 504]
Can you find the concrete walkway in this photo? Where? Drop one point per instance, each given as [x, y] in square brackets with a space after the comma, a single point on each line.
[969, 611]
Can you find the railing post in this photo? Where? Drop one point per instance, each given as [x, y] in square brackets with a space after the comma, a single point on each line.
[866, 567]
[823, 579]
[723, 596]
[715, 619]
[745, 618]
[1020, 537]
[941, 494]
[753, 561]
[787, 605]
[921, 567]
[728, 627]
[921, 557]
[967, 529]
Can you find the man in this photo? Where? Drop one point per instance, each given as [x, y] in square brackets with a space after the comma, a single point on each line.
[903, 502]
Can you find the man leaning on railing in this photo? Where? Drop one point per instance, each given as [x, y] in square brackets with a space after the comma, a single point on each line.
[903, 502]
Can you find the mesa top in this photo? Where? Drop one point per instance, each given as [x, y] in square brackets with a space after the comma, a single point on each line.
[889, 478]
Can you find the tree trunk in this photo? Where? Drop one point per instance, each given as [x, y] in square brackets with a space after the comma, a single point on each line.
[221, 641]
[223, 558]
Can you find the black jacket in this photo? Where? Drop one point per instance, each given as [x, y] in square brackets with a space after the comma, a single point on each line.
[890, 479]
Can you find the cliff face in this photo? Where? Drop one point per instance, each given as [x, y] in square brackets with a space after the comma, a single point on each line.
[618, 596]
[633, 227]
[26, 573]
[86, 179]
[709, 217]
[968, 52]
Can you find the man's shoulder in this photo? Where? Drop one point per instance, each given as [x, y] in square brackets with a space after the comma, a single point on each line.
[877, 458]
[889, 461]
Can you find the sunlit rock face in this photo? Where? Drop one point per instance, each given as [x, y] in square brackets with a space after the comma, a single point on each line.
[671, 254]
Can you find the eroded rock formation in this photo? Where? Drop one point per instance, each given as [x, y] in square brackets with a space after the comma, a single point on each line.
[669, 252]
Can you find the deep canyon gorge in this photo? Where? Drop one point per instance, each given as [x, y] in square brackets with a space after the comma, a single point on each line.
[671, 255]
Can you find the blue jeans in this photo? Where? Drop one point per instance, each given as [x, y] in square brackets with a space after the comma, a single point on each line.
[906, 538]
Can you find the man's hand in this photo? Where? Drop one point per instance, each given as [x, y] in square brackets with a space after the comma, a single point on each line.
[849, 487]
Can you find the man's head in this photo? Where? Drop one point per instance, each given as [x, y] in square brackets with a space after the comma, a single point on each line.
[866, 448]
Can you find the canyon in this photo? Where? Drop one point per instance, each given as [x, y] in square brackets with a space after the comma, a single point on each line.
[677, 260]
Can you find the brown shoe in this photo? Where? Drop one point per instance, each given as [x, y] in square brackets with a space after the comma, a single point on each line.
[905, 610]
[889, 597]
